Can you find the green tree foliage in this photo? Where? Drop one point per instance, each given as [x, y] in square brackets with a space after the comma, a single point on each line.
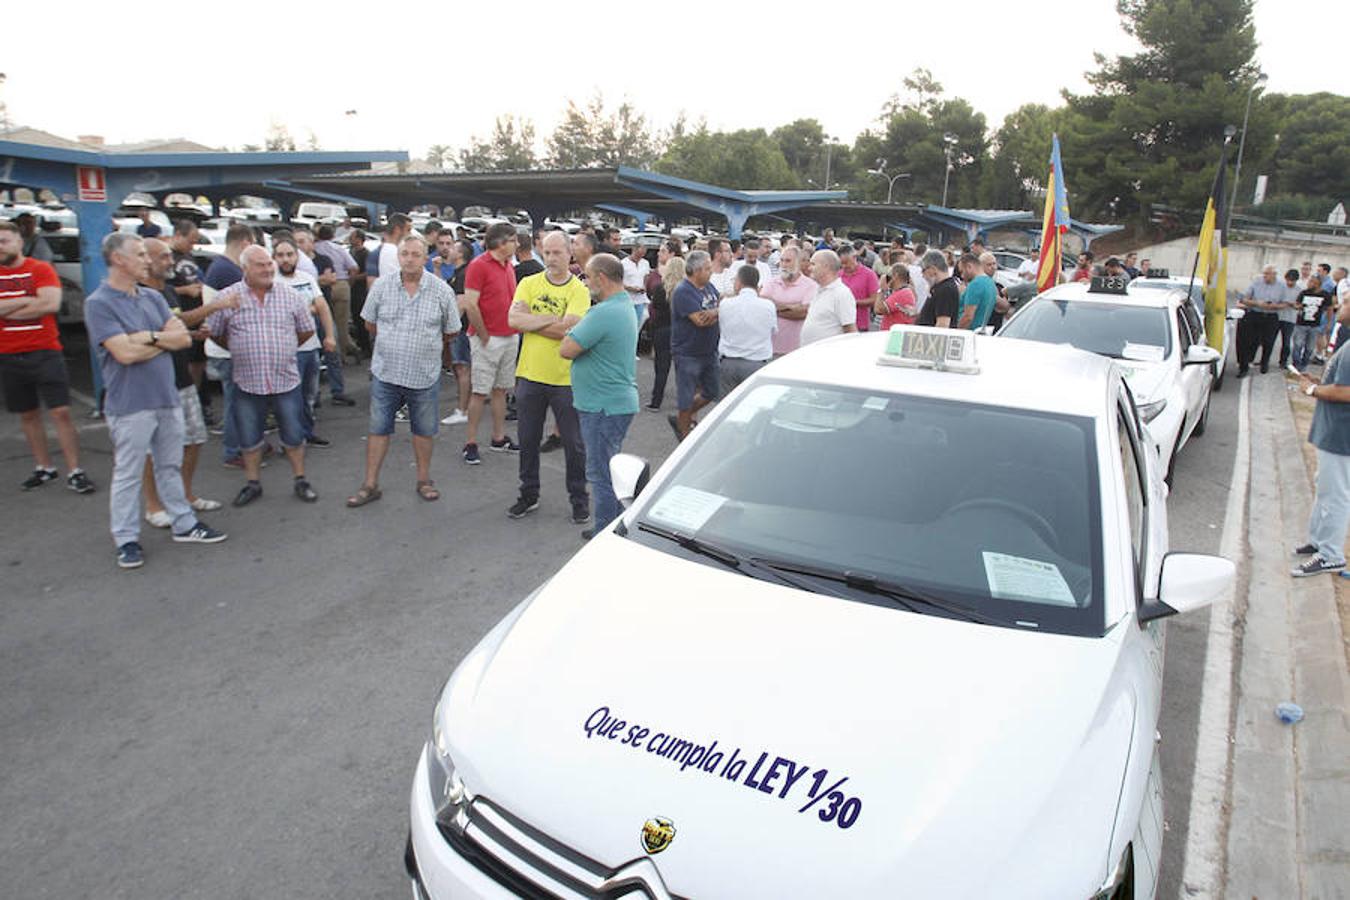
[591, 136]
[1016, 174]
[802, 143]
[748, 159]
[1312, 156]
[278, 138]
[511, 147]
[438, 155]
[910, 139]
[1150, 132]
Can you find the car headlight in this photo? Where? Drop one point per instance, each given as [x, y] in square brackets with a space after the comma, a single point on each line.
[448, 793]
[1150, 411]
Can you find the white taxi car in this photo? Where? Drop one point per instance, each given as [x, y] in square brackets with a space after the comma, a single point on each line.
[890, 631]
[1163, 279]
[1155, 335]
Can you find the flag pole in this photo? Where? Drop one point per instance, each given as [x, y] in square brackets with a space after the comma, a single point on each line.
[1228, 133]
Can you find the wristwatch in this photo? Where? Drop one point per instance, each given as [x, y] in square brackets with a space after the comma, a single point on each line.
[1311, 390]
[154, 339]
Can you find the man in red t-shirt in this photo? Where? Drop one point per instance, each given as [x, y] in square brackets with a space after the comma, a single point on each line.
[32, 369]
[489, 288]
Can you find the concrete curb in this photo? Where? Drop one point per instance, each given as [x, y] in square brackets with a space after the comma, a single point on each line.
[1290, 785]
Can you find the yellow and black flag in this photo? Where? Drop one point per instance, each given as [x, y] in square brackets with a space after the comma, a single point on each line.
[1212, 259]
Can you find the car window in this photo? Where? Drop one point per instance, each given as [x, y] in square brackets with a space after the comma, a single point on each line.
[1184, 334]
[1116, 330]
[1193, 319]
[1135, 494]
[995, 508]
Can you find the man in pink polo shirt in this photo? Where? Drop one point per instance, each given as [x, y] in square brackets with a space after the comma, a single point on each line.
[489, 287]
[792, 293]
[862, 281]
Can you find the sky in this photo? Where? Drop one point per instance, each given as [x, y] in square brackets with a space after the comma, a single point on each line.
[441, 73]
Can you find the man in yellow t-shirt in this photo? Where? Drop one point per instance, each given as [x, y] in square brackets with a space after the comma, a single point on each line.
[546, 305]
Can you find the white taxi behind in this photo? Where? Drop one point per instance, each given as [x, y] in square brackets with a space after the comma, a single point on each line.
[888, 624]
[1155, 336]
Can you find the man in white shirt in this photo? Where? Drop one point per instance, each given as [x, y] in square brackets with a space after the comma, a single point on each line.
[748, 323]
[833, 310]
[635, 272]
[723, 271]
[752, 249]
[396, 228]
[916, 279]
[287, 257]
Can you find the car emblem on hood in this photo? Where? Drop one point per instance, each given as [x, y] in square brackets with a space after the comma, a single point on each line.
[657, 833]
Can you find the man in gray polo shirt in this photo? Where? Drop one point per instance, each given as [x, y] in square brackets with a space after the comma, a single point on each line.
[135, 332]
[1330, 434]
[1260, 323]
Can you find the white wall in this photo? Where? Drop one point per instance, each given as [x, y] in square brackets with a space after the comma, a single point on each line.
[1246, 259]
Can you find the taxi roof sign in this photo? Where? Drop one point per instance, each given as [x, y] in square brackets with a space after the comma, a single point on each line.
[1109, 284]
[1158, 273]
[943, 349]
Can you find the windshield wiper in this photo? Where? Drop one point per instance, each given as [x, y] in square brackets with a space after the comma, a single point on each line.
[745, 565]
[906, 597]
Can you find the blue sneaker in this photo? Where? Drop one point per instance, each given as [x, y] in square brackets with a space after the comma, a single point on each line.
[130, 556]
[201, 533]
[471, 454]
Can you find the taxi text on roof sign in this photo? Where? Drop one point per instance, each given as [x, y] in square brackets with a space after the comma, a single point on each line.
[944, 349]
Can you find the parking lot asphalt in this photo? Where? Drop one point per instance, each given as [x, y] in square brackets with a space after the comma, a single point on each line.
[242, 720]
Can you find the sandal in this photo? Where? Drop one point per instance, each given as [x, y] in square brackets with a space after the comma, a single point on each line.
[427, 491]
[363, 496]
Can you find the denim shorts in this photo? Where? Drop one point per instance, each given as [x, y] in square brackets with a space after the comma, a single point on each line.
[460, 353]
[250, 417]
[695, 374]
[386, 399]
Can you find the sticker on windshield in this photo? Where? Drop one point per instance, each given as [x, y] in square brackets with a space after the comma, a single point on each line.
[877, 403]
[686, 509]
[1142, 352]
[1019, 578]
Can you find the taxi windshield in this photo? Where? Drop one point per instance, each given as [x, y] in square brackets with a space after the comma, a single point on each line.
[991, 509]
[1103, 328]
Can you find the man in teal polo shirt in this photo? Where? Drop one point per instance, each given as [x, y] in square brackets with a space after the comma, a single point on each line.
[980, 295]
[602, 347]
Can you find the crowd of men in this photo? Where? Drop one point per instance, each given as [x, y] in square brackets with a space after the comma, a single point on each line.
[532, 328]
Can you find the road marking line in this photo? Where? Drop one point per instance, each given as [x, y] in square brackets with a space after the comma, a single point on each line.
[1203, 872]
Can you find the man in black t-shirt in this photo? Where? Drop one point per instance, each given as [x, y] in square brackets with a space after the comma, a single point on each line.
[185, 292]
[944, 298]
[526, 264]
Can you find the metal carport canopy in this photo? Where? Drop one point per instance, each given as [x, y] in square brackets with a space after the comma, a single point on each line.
[548, 192]
[59, 170]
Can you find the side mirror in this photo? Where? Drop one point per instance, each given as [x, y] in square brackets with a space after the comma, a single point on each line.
[628, 474]
[1190, 581]
[1200, 355]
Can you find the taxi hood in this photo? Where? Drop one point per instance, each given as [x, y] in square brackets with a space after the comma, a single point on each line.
[798, 744]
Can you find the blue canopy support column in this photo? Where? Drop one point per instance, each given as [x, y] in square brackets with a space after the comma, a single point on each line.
[641, 217]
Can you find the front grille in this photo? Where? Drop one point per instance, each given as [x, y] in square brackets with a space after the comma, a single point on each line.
[531, 864]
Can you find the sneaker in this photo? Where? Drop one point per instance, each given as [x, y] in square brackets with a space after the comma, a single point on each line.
[401, 415]
[581, 513]
[1319, 361]
[201, 504]
[237, 462]
[39, 477]
[588, 534]
[1315, 566]
[1305, 550]
[521, 507]
[217, 430]
[79, 482]
[471, 454]
[455, 418]
[505, 445]
[512, 415]
[248, 493]
[304, 491]
[130, 555]
[674, 422]
[340, 400]
[316, 441]
[159, 519]
[201, 533]
[653, 407]
[551, 443]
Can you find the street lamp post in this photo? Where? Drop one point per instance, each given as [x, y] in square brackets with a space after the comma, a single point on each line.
[829, 148]
[949, 142]
[1242, 143]
[890, 179]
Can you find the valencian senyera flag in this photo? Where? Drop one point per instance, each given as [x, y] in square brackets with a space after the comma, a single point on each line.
[1056, 223]
[1211, 259]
